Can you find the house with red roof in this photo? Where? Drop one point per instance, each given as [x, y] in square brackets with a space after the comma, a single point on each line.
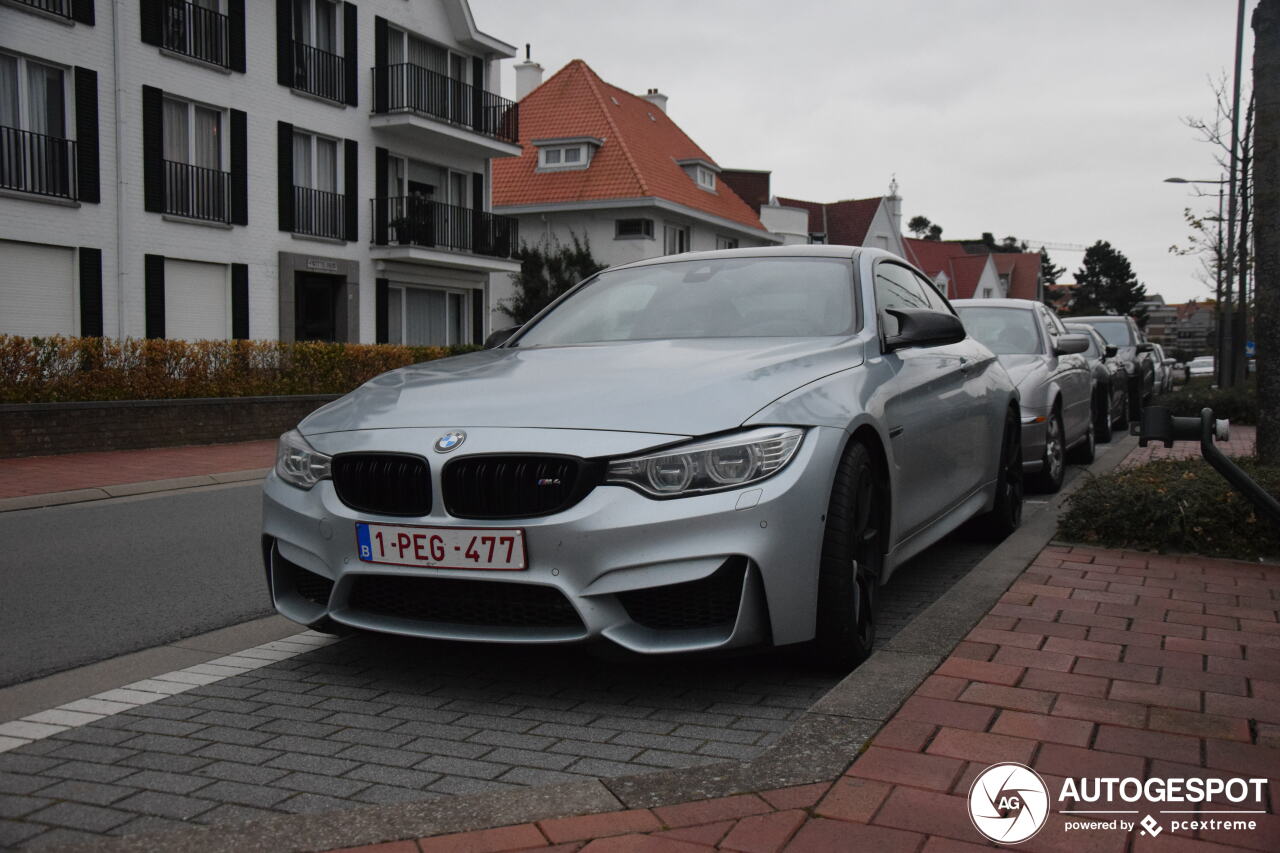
[874, 222]
[602, 163]
[958, 274]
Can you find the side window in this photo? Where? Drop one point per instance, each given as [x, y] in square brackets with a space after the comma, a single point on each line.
[1048, 320]
[936, 300]
[896, 287]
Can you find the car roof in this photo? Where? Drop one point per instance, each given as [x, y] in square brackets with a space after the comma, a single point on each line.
[1122, 317]
[796, 251]
[1024, 304]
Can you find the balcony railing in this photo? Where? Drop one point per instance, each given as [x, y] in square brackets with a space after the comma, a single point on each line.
[196, 32]
[36, 163]
[197, 192]
[53, 7]
[319, 213]
[319, 72]
[418, 221]
[416, 89]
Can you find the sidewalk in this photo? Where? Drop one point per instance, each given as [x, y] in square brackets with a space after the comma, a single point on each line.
[1241, 443]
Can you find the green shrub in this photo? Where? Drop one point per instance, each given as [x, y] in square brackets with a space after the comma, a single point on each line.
[1176, 505]
[58, 369]
[1239, 404]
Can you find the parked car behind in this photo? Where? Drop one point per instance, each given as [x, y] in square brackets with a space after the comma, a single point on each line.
[1134, 354]
[1110, 385]
[1201, 365]
[1166, 366]
[697, 451]
[1053, 379]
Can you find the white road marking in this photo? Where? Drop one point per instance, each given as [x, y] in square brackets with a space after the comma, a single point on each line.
[81, 712]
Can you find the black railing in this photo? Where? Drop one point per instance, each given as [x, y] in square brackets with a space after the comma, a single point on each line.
[417, 221]
[35, 163]
[196, 192]
[196, 32]
[421, 90]
[53, 7]
[319, 213]
[319, 72]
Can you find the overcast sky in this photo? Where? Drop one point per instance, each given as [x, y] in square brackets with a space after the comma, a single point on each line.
[1050, 120]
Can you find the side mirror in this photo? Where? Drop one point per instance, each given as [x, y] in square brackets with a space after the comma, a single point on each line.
[1146, 347]
[1071, 344]
[1112, 350]
[919, 327]
[500, 337]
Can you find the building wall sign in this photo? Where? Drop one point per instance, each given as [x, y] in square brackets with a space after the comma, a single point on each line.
[322, 265]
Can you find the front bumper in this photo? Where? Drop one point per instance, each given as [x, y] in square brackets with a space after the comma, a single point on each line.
[733, 568]
[1034, 427]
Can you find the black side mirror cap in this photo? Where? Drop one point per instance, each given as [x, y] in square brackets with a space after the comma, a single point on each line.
[1071, 344]
[500, 337]
[1145, 347]
[1112, 350]
[920, 327]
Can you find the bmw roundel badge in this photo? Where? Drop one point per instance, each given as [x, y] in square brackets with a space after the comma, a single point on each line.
[449, 441]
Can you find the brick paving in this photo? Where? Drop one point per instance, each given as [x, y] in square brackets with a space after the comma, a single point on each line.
[1094, 662]
[38, 475]
[1241, 443]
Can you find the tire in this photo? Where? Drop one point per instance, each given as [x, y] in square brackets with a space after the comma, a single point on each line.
[1084, 452]
[1135, 400]
[1122, 422]
[1049, 478]
[1102, 416]
[1006, 515]
[853, 548]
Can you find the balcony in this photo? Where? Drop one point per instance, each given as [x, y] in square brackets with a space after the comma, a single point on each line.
[61, 8]
[197, 32]
[318, 213]
[319, 72]
[418, 229]
[197, 193]
[425, 106]
[37, 164]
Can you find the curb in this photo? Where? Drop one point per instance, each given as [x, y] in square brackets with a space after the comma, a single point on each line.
[122, 490]
[817, 748]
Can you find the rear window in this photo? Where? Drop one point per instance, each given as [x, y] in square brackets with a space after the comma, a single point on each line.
[1004, 331]
[1116, 332]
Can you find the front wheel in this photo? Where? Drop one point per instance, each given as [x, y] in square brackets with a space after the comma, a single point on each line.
[1049, 478]
[853, 547]
[1122, 416]
[1006, 514]
[1102, 415]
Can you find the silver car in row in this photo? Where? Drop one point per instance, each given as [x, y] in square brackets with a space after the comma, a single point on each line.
[693, 452]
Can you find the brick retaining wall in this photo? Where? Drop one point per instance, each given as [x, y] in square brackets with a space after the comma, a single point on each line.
[39, 429]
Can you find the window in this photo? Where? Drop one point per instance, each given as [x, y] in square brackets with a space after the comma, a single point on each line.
[35, 155]
[195, 183]
[318, 66]
[986, 293]
[315, 23]
[427, 316]
[198, 29]
[704, 177]
[898, 287]
[726, 242]
[564, 157]
[318, 208]
[625, 228]
[675, 239]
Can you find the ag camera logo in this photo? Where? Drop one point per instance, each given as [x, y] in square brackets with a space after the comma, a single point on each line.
[1008, 803]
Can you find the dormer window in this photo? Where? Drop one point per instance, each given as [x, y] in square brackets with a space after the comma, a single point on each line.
[562, 155]
[703, 172]
[705, 177]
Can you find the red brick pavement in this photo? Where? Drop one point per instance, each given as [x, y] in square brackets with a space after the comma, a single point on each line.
[39, 475]
[1094, 663]
[1241, 444]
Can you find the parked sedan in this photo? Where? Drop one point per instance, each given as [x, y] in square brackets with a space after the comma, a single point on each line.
[1110, 385]
[1202, 365]
[1166, 366]
[1133, 353]
[1053, 380]
[693, 452]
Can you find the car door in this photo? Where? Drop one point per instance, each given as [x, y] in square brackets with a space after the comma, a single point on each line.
[924, 407]
[1071, 372]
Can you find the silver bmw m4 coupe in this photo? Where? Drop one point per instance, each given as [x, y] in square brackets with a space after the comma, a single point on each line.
[695, 452]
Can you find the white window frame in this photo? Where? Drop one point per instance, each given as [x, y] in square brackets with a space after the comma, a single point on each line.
[24, 93]
[670, 229]
[723, 242]
[338, 161]
[704, 177]
[224, 144]
[404, 35]
[646, 232]
[396, 290]
[554, 157]
[309, 37]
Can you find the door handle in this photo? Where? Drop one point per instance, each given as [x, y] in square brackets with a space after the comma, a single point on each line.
[964, 365]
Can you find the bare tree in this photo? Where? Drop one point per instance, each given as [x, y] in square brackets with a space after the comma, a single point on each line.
[1266, 210]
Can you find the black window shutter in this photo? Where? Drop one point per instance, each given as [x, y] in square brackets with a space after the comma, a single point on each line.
[153, 149]
[239, 168]
[351, 175]
[235, 41]
[82, 12]
[90, 293]
[240, 301]
[477, 316]
[154, 288]
[481, 238]
[87, 178]
[284, 42]
[380, 205]
[477, 95]
[349, 51]
[380, 65]
[381, 292]
[152, 12]
[284, 136]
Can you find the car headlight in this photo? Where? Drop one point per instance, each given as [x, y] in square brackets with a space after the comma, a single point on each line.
[298, 463]
[706, 466]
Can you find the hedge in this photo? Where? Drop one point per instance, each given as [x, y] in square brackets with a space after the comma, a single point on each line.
[61, 369]
[1174, 505]
[1238, 404]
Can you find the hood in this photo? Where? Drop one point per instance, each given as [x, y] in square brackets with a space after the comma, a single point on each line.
[677, 387]
[1022, 368]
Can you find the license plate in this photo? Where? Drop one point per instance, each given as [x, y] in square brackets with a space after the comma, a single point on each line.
[441, 547]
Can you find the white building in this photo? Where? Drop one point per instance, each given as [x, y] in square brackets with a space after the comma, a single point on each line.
[303, 169]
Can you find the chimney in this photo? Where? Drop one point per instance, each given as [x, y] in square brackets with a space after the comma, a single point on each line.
[528, 76]
[656, 98]
[893, 202]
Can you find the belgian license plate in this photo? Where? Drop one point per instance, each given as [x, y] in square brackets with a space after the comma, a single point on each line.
[441, 547]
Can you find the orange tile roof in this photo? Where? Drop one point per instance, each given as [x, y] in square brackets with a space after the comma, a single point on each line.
[1024, 272]
[935, 256]
[844, 222]
[637, 160]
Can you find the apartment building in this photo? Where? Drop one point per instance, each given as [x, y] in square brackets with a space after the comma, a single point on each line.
[212, 169]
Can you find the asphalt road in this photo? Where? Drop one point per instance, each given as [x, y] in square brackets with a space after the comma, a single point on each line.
[85, 582]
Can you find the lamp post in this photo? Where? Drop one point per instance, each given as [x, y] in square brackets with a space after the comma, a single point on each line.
[1220, 366]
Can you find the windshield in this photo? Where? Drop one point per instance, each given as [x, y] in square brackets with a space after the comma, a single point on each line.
[1004, 331]
[723, 298]
[1115, 331]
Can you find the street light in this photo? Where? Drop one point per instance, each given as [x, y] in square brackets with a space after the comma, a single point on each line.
[1221, 346]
